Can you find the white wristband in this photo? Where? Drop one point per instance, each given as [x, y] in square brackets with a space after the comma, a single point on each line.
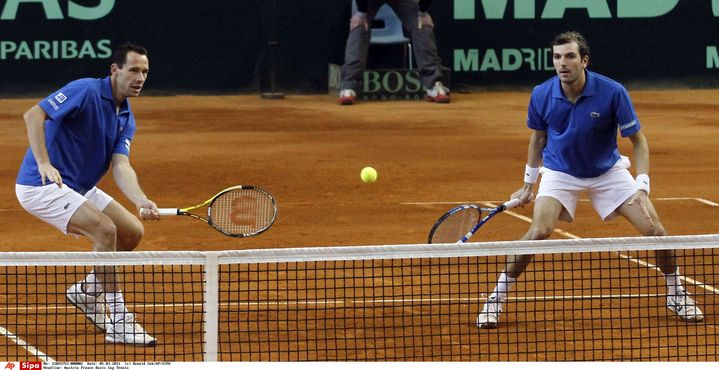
[643, 182]
[530, 174]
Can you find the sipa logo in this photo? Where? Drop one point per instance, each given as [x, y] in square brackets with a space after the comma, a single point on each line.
[27, 365]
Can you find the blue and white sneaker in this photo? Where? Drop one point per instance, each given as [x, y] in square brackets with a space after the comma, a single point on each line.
[684, 307]
[128, 331]
[94, 307]
[489, 317]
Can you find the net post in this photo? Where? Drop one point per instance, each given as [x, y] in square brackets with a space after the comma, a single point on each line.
[211, 312]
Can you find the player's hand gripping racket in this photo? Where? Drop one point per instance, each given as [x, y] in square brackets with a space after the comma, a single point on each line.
[460, 223]
[239, 211]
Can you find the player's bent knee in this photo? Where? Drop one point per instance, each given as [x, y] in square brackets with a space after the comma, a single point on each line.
[130, 238]
[539, 233]
[655, 230]
[133, 240]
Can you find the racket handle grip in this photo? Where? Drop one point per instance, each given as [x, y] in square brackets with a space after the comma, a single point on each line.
[168, 211]
[511, 204]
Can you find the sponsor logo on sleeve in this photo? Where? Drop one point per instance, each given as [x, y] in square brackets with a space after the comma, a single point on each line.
[54, 105]
[628, 125]
[60, 97]
[127, 144]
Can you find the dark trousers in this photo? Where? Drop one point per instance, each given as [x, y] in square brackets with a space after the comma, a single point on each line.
[423, 45]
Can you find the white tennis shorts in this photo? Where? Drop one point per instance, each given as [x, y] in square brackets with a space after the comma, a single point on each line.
[606, 192]
[56, 205]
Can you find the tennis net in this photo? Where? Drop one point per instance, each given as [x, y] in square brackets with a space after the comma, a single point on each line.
[585, 299]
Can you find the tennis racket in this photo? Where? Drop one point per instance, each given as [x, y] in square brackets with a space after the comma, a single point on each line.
[239, 211]
[461, 222]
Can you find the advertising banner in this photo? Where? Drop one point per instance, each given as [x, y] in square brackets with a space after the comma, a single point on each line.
[217, 45]
[490, 42]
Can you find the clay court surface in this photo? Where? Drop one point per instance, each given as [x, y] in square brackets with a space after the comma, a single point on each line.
[308, 152]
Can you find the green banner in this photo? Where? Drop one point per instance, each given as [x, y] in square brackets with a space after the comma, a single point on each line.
[219, 45]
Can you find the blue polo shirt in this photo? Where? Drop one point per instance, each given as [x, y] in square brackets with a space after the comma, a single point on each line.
[582, 137]
[82, 133]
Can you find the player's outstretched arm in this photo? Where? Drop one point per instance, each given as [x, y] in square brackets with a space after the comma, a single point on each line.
[537, 142]
[126, 179]
[641, 152]
[641, 163]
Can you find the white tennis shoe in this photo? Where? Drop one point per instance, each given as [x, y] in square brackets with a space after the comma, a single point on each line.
[347, 97]
[94, 307]
[438, 93]
[489, 317]
[684, 307]
[128, 331]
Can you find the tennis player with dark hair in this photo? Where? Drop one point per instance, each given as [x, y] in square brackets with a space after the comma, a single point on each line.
[76, 134]
[574, 118]
[417, 22]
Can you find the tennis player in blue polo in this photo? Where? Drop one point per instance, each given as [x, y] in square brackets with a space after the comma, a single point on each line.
[76, 134]
[574, 118]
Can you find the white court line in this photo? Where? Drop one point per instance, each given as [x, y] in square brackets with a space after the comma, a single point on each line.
[30, 349]
[70, 308]
[356, 302]
[351, 302]
[700, 200]
[622, 255]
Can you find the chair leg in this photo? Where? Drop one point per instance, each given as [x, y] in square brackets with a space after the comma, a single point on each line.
[409, 46]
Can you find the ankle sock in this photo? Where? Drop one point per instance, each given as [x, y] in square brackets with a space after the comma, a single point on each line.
[92, 286]
[116, 302]
[504, 285]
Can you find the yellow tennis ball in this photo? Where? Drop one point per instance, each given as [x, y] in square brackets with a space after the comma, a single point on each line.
[368, 175]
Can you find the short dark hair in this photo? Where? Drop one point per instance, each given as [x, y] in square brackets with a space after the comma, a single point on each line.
[119, 55]
[569, 36]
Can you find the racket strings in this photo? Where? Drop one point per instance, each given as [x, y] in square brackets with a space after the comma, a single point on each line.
[242, 211]
[456, 226]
